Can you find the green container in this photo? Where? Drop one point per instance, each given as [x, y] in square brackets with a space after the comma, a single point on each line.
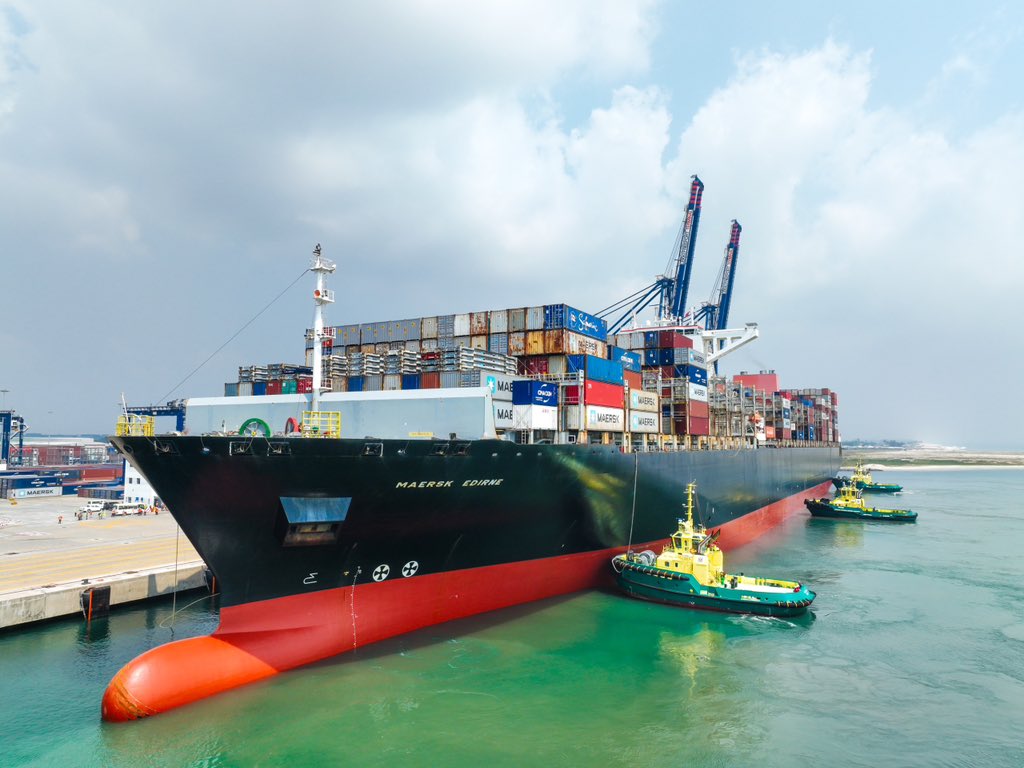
[289, 387]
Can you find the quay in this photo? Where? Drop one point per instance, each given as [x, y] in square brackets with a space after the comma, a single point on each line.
[48, 558]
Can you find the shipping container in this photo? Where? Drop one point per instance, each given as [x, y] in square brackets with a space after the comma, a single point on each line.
[769, 432]
[695, 373]
[428, 345]
[696, 392]
[535, 417]
[535, 343]
[535, 318]
[338, 384]
[698, 408]
[259, 387]
[289, 387]
[643, 422]
[698, 426]
[517, 343]
[533, 366]
[563, 342]
[633, 379]
[666, 356]
[630, 361]
[355, 383]
[479, 323]
[685, 356]
[461, 341]
[563, 316]
[430, 380]
[478, 342]
[652, 357]
[597, 368]
[558, 365]
[245, 389]
[525, 392]
[596, 418]
[462, 325]
[428, 327]
[231, 389]
[596, 393]
[374, 383]
[642, 400]
[498, 342]
[410, 381]
[274, 387]
[651, 340]
[517, 320]
[304, 385]
[504, 414]
[498, 322]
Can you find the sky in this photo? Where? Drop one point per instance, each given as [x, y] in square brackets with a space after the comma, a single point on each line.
[167, 168]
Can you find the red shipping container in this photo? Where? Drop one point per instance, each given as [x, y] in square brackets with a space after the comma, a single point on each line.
[668, 372]
[600, 393]
[698, 409]
[304, 386]
[572, 395]
[633, 379]
[674, 340]
[534, 365]
[700, 426]
[430, 380]
[274, 387]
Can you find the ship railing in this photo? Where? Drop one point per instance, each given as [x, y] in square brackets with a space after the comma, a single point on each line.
[135, 425]
[321, 424]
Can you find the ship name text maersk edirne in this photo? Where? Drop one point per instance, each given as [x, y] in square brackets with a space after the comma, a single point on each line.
[332, 518]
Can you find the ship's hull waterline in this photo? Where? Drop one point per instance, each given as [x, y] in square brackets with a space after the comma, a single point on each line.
[429, 531]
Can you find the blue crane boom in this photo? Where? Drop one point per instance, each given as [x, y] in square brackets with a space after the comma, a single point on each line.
[673, 302]
[715, 313]
[175, 408]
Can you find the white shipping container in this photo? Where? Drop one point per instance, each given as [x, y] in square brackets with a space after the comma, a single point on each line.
[642, 400]
[504, 414]
[696, 392]
[535, 416]
[462, 325]
[500, 385]
[596, 418]
[499, 321]
[245, 389]
[640, 421]
[428, 327]
[578, 344]
[392, 381]
[535, 318]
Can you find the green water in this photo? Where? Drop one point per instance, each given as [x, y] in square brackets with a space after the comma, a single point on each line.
[914, 656]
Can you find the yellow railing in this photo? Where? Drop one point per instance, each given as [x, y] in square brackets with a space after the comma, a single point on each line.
[321, 424]
[135, 425]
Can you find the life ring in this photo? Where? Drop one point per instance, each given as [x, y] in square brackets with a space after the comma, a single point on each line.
[255, 427]
[292, 425]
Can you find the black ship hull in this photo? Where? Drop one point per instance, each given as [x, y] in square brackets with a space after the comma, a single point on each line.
[416, 533]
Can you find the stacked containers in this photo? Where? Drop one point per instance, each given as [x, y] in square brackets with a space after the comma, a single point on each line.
[534, 405]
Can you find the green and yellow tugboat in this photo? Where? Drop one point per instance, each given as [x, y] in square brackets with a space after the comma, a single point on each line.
[862, 481]
[849, 504]
[690, 573]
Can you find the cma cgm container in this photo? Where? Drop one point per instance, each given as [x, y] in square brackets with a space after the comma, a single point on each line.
[630, 361]
[597, 368]
[534, 417]
[534, 393]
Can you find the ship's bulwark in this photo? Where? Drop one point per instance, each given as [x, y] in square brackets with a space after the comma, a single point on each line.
[449, 529]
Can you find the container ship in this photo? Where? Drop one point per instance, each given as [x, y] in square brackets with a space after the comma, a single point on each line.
[425, 470]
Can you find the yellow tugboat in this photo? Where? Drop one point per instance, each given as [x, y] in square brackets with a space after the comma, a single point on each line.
[690, 572]
[862, 480]
[849, 503]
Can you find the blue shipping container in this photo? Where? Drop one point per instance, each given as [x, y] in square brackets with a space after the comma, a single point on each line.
[695, 373]
[810, 433]
[631, 361]
[411, 381]
[534, 393]
[597, 368]
[651, 339]
[666, 356]
[558, 316]
[355, 383]
[259, 387]
[651, 357]
[498, 342]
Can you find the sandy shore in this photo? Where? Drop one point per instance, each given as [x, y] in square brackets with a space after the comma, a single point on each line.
[923, 458]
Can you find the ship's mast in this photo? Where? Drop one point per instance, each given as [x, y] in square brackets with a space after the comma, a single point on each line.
[321, 267]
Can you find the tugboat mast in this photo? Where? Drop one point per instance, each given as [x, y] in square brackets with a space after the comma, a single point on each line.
[321, 267]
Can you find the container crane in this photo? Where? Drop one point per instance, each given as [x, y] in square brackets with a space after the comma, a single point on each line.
[715, 313]
[671, 292]
[9, 421]
[175, 408]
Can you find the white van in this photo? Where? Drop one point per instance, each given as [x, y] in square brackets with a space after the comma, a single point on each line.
[93, 505]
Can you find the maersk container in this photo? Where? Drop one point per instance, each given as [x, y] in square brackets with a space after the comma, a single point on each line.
[498, 342]
[596, 419]
[499, 321]
[526, 392]
[642, 400]
[504, 413]
[428, 327]
[517, 319]
[411, 381]
[479, 323]
[652, 357]
[535, 318]
[597, 368]
[259, 387]
[687, 356]
[697, 392]
[643, 422]
[565, 342]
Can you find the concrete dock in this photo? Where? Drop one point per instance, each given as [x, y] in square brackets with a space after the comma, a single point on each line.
[48, 558]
